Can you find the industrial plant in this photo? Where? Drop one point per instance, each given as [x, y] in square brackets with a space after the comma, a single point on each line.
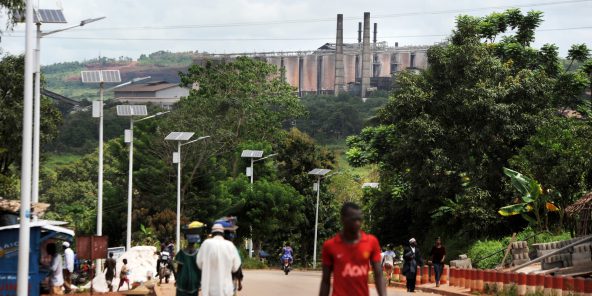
[334, 68]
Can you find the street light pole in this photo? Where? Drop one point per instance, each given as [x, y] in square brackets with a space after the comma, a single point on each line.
[314, 254]
[100, 185]
[37, 105]
[179, 137]
[128, 241]
[26, 157]
[36, 120]
[319, 173]
[178, 245]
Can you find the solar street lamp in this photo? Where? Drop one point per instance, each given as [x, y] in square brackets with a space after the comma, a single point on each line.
[317, 186]
[42, 16]
[252, 154]
[131, 111]
[180, 137]
[101, 77]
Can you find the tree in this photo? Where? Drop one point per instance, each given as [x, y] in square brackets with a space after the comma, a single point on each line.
[558, 156]
[446, 134]
[271, 211]
[10, 6]
[11, 110]
[298, 154]
[577, 52]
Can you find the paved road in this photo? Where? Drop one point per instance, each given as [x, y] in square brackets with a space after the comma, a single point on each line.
[274, 282]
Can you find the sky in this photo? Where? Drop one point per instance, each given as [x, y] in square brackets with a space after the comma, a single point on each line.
[135, 27]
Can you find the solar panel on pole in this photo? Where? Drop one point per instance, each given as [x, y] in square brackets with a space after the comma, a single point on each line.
[179, 136]
[54, 16]
[252, 153]
[45, 16]
[319, 172]
[111, 76]
[91, 76]
[132, 110]
[98, 76]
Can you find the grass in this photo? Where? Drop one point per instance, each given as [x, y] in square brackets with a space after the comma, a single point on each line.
[54, 161]
[340, 149]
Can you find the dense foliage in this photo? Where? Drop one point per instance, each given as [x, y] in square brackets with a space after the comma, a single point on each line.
[332, 119]
[11, 112]
[446, 134]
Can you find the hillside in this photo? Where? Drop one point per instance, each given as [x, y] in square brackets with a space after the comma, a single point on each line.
[64, 78]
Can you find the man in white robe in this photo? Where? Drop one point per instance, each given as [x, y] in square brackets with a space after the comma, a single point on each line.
[218, 259]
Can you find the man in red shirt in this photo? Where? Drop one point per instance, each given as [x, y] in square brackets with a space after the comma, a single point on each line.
[349, 255]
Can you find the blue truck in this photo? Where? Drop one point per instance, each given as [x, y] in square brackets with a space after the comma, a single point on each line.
[42, 232]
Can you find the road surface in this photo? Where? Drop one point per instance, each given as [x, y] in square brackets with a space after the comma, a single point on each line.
[274, 282]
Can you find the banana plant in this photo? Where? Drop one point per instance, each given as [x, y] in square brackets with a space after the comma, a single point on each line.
[535, 201]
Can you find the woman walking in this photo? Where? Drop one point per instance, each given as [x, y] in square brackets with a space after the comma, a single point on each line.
[438, 255]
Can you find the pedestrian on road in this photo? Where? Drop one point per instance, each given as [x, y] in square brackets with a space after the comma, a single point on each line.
[438, 255]
[218, 259]
[413, 262]
[124, 275]
[56, 276]
[348, 256]
[110, 274]
[68, 266]
[188, 275]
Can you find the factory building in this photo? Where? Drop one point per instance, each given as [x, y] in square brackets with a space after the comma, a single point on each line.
[333, 68]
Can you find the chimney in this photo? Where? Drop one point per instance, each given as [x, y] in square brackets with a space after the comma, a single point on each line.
[366, 56]
[339, 68]
[375, 32]
[360, 32]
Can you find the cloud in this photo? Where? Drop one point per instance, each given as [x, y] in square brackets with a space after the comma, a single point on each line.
[126, 17]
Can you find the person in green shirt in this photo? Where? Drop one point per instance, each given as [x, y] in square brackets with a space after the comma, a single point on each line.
[188, 275]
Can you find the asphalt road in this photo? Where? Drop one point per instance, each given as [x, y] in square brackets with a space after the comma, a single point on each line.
[274, 282]
[297, 283]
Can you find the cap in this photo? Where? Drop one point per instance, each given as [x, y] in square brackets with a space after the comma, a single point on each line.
[412, 240]
[218, 228]
[66, 244]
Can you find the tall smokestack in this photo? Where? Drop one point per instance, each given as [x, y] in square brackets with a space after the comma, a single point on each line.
[360, 32]
[375, 32]
[366, 56]
[339, 68]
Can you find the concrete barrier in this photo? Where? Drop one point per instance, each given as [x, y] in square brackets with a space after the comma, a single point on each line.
[588, 287]
[452, 277]
[557, 285]
[531, 283]
[480, 281]
[499, 280]
[580, 286]
[568, 285]
[548, 285]
[540, 282]
[425, 275]
[444, 277]
[522, 284]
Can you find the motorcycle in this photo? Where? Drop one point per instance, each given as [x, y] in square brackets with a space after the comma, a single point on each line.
[164, 271]
[286, 265]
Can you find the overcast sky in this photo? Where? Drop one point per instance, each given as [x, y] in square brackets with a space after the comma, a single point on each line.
[224, 26]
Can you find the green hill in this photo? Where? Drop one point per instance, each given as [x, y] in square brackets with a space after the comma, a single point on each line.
[64, 78]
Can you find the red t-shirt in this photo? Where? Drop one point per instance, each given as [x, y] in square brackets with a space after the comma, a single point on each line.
[350, 263]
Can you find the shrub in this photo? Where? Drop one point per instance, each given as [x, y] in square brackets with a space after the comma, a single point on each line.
[481, 249]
